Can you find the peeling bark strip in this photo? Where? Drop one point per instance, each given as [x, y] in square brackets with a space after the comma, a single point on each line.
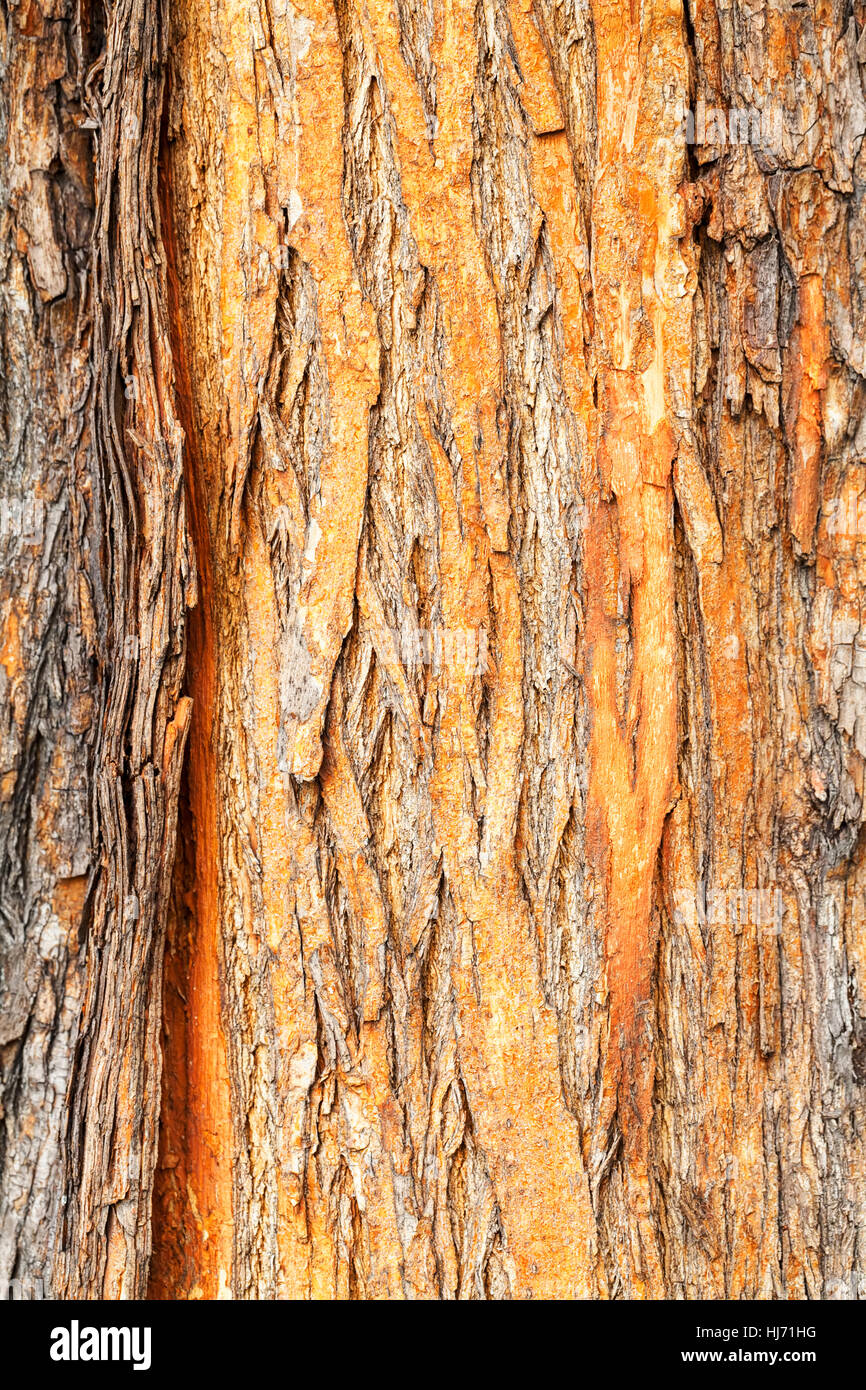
[434, 318]
[642, 287]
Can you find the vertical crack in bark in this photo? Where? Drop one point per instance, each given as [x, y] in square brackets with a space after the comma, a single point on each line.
[192, 1253]
[642, 349]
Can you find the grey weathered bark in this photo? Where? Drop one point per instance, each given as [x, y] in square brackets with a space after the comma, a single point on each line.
[508, 361]
[94, 645]
[49, 674]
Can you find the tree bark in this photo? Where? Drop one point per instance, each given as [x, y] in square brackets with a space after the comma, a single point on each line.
[50, 618]
[434, 718]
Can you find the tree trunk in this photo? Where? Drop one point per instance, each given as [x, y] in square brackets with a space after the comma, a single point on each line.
[435, 504]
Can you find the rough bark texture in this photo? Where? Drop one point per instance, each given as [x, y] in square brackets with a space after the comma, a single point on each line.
[507, 364]
[93, 647]
[49, 618]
